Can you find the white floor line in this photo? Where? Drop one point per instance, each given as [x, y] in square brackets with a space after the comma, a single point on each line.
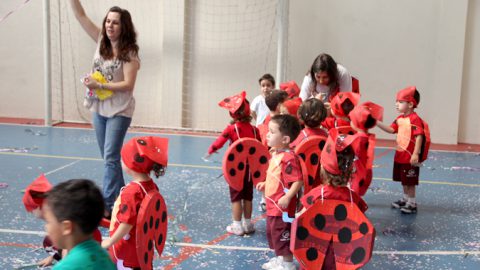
[63, 167]
[376, 252]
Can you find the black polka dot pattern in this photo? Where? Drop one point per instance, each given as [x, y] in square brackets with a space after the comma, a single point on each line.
[358, 255]
[263, 159]
[312, 254]
[257, 174]
[340, 213]
[344, 235]
[319, 222]
[252, 150]
[314, 159]
[164, 216]
[335, 221]
[232, 172]
[231, 157]
[363, 228]
[302, 233]
[321, 145]
[239, 148]
[311, 180]
[241, 166]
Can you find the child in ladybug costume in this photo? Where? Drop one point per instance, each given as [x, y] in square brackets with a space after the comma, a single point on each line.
[239, 127]
[337, 232]
[363, 118]
[140, 157]
[284, 180]
[341, 105]
[413, 140]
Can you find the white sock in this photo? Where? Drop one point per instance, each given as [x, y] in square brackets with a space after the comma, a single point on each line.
[405, 197]
[411, 201]
[287, 263]
[247, 221]
[237, 223]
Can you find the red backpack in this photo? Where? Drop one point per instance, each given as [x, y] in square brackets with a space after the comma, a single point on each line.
[425, 142]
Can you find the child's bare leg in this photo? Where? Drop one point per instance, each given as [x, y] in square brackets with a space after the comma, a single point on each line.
[247, 209]
[237, 211]
[411, 191]
[288, 258]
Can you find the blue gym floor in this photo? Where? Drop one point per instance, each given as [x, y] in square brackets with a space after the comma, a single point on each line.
[445, 234]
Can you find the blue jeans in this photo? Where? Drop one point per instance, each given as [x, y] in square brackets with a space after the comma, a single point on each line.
[110, 133]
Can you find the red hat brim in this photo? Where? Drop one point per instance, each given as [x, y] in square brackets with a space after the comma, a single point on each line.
[140, 153]
[35, 193]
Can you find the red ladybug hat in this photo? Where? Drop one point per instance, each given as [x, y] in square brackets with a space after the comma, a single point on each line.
[36, 192]
[291, 88]
[233, 103]
[339, 99]
[335, 143]
[141, 153]
[359, 114]
[292, 106]
[407, 94]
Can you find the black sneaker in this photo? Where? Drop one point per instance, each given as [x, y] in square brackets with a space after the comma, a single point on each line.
[409, 209]
[399, 204]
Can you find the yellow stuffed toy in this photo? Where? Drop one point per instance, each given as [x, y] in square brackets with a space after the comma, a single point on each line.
[101, 94]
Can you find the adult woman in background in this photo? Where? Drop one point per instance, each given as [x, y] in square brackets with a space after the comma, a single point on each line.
[325, 79]
[116, 59]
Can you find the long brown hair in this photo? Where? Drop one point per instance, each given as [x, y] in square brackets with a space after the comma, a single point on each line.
[325, 63]
[127, 42]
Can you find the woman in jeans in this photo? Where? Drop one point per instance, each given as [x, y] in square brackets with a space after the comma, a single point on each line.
[116, 59]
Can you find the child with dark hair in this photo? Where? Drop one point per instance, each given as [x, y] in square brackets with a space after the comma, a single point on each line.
[410, 139]
[72, 212]
[337, 160]
[284, 181]
[274, 103]
[240, 127]
[311, 113]
[140, 157]
[259, 107]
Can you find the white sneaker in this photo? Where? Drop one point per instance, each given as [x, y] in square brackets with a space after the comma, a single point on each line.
[248, 229]
[285, 266]
[273, 262]
[235, 229]
[262, 206]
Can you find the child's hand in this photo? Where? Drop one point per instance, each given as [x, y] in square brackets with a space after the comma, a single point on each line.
[260, 186]
[284, 201]
[414, 159]
[46, 262]
[106, 243]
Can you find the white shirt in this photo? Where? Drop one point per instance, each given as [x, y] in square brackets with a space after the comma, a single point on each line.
[344, 83]
[260, 108]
